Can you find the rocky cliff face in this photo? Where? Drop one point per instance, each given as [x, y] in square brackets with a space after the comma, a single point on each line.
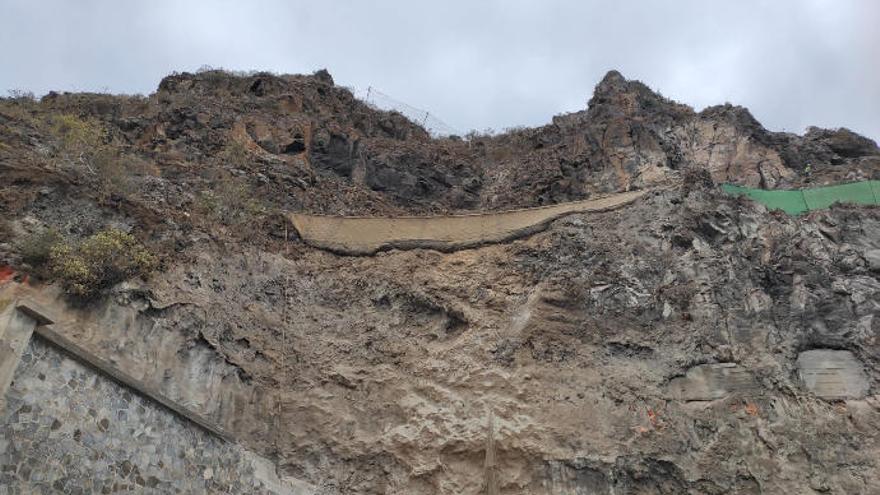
[617, 355]
[688, 343]
[307, 144]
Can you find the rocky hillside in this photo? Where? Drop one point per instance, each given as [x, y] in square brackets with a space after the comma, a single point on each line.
[665, 347]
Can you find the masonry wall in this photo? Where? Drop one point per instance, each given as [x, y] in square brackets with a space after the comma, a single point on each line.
[69, 429]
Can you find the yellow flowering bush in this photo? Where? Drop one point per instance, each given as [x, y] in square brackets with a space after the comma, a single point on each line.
[100, 261]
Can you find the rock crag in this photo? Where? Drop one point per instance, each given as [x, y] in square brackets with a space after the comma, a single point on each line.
[688, 342]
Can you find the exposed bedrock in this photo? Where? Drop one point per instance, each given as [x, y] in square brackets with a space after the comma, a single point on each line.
[686, 342]
[617, 355]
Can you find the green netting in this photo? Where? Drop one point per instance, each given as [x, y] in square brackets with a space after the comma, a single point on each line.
[798, 201]
[823, 197]
[791, 202]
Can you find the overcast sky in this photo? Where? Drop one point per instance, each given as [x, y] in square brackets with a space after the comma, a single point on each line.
[475, 64]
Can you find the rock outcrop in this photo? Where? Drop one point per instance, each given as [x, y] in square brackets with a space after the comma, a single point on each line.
[688, 342]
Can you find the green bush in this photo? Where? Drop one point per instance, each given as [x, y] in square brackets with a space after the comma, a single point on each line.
[36, 248]
[98, 262]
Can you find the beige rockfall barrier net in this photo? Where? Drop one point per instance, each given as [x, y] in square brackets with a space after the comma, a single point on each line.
[367, 235]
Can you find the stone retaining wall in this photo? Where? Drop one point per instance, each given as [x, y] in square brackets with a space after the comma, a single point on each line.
[88, 411]
[69, 429]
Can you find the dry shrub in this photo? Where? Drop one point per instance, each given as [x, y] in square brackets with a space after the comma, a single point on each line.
[112, 177]
[20, 106]
[696, 178]
[84, 143]
[115, 172]
[80, 140]
[235, 155]
[231, 202]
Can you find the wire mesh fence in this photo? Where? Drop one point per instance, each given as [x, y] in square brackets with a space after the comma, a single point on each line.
[381, 101]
